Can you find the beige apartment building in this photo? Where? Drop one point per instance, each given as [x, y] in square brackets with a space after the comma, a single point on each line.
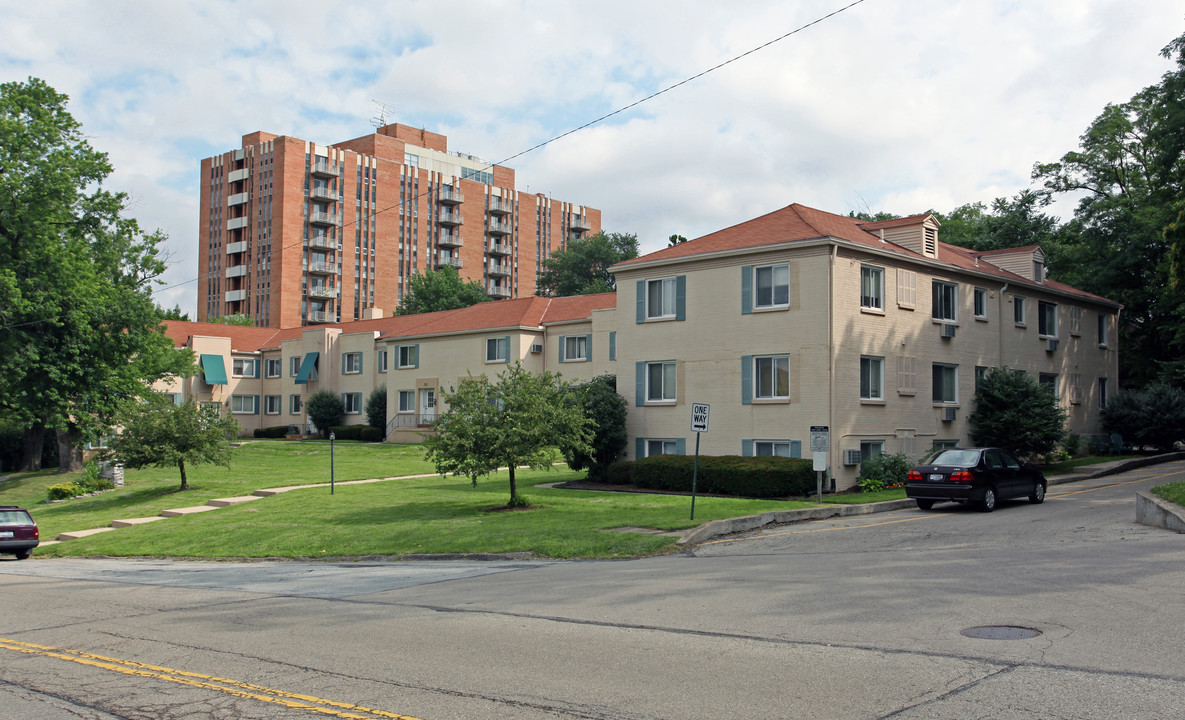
[295, 233]
[795, 319]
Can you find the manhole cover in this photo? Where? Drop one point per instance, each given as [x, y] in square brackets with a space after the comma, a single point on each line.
[1001, 632]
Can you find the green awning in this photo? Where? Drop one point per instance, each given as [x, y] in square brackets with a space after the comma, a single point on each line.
[214, 369]
[308, 369]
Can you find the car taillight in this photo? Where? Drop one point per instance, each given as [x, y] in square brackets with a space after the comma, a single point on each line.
[36, 533]
[962, 476]
[913, 475]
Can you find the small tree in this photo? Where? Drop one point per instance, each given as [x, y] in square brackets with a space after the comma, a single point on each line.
[324, 410]
[442, 289]
[606, 411]
[519, 420]
[158, 433]
[1013, 411]
[1153, 416]
[376, 408]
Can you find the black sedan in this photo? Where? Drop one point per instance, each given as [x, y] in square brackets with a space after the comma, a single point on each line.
[974, 475]
[18, 532]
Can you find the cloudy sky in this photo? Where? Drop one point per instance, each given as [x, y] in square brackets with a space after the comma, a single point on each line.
[895, 105]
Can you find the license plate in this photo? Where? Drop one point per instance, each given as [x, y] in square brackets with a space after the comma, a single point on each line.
[5, 533]
[937, 477]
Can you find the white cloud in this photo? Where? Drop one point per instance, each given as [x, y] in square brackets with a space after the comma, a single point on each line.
[889, 105]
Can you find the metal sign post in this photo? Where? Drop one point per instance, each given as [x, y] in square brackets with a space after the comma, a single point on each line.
[820, 446]
[699, 424]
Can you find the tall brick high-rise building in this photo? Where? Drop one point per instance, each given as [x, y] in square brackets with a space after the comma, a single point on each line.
[294, 233]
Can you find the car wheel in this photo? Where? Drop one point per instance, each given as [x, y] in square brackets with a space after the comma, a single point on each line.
[988, 503]
[23, 554]
[1038, 495]
[925, 504]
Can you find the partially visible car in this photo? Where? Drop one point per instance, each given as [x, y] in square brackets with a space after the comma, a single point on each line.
[982, 476]
[18, 532]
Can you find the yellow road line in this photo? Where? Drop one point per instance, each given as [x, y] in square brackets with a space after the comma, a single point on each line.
[1117, 484]
[208, 682]
[829, 529]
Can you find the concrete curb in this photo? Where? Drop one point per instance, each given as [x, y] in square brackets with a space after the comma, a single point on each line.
[1151, 510]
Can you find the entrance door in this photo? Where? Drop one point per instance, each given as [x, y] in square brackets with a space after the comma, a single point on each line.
[427, 406]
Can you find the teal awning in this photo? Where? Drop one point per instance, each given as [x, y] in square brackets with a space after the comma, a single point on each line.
[308, 369]
[214, 369]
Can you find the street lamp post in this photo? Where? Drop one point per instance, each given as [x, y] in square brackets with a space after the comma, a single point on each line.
[332, 437]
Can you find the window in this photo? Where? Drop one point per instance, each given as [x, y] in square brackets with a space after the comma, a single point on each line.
[771, 377]
[244, 367]
[612, 345]
[1102, 331]
[945, 301]
[293, 365]
[351, 363]
[907, 375]
[174, 398]
[295, 405]
[271, 404]
[660, 381]
[352, 402]
[244, 404]
[771, 286]
[870, 449]
[1102, 393]
[872, 287]
[872, 378]
[1046, 319]
[945, 383]
[380, 359]
[980, 376]
[407, 401]
[272, 367]
[1018, 310]
[1049, 382]
[980, 303]
[771, 448]
[409, 355]
[661, 447]
[497, 349]
[660, 298]
[573, 348]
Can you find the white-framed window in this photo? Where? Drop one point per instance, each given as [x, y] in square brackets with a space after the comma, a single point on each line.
[1018, 310]
[575, 347]
[409, 355]
[271, 404]
[1046, 318]
[771, 448]
[407, 401]
[870, 449]
[660, 381]
[352, 402]
[980, 303]
[293, 365]
[244, 367]
[771, 286]
[295, 405]
[945, 383]
[872, 287]
[661, 447]
[272, 367]
[243, 404]
[945, 301]
[1102, 330]
[498, 349]
[872, 378]
[174, 398]
[380, 358]
[771, 377]
[351, 363]
[660, 298]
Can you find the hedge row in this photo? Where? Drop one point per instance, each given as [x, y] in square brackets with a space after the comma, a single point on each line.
[756, 477]
[365, 433]
[274, 432]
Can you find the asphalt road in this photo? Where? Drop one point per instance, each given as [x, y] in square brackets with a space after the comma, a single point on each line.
[847, 618]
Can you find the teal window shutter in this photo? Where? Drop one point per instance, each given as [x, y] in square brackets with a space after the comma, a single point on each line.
[639, 448]
[560, 354]
[506, 339]
[361, 359]
[795, 448]
[746, 289]
[639, 383]
[256, 410]
[746, 379]
[680, 446]
[681, 298]
[612, 345]
[258, 362]
[641, 302]
[588, 344]
[747, 448]
[416, 364]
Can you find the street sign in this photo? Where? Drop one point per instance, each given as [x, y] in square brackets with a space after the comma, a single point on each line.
[820, 438]
[699, 417]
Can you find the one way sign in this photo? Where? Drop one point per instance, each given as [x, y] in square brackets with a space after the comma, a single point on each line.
[699, 417]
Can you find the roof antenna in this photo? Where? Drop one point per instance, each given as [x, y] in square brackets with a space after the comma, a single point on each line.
[383, 109]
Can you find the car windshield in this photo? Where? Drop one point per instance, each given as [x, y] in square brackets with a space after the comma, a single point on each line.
[15, 517]
[958, 458]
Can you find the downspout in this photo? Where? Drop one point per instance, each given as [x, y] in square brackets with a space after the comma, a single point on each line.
[1000, 334]
[831, 355]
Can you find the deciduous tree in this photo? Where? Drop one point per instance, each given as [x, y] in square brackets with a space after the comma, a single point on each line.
[583, 267]
[441, 289]
[606, 411]
[159, 433]
[324, 410]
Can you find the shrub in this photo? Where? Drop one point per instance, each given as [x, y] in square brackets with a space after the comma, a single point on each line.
[1152, 416]
[607, 411]
[376, 408]
[324, 410]
[758, 477]
[64, 491]
[1013, 411]
[883, 472]
[351, 432]
[91, 480]
[275, 432]
[371, 434]
[620, 473]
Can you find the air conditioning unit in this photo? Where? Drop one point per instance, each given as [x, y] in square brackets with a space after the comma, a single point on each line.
[949, 414]
[536, 348]
[851, 457]
[948, 331]
[1051, 346]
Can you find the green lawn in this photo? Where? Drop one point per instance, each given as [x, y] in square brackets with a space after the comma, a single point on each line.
[1173, 492]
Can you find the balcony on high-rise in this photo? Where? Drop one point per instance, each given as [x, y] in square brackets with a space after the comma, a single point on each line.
[450, 217]
[500, 227]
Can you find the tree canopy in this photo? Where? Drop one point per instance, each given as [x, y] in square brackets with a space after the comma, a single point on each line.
[324, 410]
[518, 420]
[607, 411]
[80, 335]
[582, 268]
[1013, 411]
[240, 319]
[441, 289]
[159, 433]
